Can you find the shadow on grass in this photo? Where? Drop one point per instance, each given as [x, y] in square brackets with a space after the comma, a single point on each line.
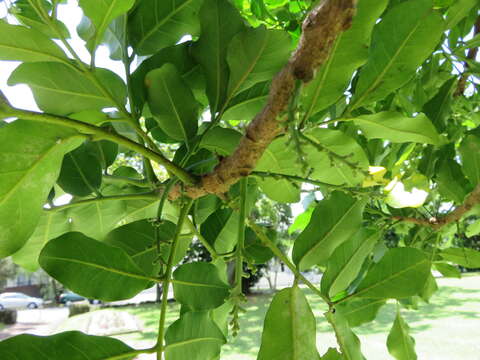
[446, 302]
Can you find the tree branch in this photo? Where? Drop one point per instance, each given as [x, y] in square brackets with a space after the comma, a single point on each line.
[320, 30]
[438, 222]
[6, 111]
[471, 55]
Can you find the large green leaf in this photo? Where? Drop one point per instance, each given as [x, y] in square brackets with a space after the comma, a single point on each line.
[30, 158]
[92, 268]
[248, 103]
[332, 354]
[280, 158]
[348, 54]
[172, 103]
[199, 286]
[470, 154]
[94, 219]
[438, 108]
[102, 13]
[458, 11]
[81, 172]
[402, 272]
[333, 222]
[451, 182]
[347, 259]
[399, 342]
[255, 55]
[396, 127]
[72, 345]
[221, 140]
[220, 230]
[178, 55]
[23, 44]
[465, 257]
[51, 225]
[401, 42]
[195, 336]
[289, 329]
[360, 311]
[335, 157]
[346, 338]
[448, 270]
[220, 22]
[155, 24]
[60, 90]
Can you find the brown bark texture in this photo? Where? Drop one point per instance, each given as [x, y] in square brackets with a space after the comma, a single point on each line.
[319, 32]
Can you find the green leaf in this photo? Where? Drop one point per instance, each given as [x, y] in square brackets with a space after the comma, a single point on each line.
[81, 172]
[301, 221]
[402, 272]
[59, 89]
[290, 312]
[198, 286]
[324, 157]
[465, 257]
[255, 252]
[473, 229]
[333, 222]
[51, 225]
[172, 103]
[76, 260]
[248, 103]
[401, 42]
[448, 270]
[279, 158]
[220, 22]
[399, 342]
[26, 14]
[346, 261]
[66, 345]
[360, 311]
[195, 336]
[221, 140]
[346, 338]
[458, 11]
[102, 13]
[451, 182]
[348, 54]
[30, 154]
[178, 55]
[156, 24]
[396, 127]
[23, 44]
[470, 154]
[220, 230]
[204, 207]
[429, 289]
[438, 109]
[255, 55]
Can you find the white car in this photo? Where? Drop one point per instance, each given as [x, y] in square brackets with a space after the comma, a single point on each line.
[12, 300]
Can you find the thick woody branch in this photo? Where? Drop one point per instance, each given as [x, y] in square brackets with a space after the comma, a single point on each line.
[438, 222]
[320, 30]
[471, 56]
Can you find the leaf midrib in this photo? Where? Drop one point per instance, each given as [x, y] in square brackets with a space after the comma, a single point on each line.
[163, 22]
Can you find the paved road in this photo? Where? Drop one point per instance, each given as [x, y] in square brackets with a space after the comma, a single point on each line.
[36, 322]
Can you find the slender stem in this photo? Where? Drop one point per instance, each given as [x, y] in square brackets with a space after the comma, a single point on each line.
[280, 255]
[132, 353]
[100, 134]
[168, 274]
[125, 180]
[193, 228]
[295, 178]
[242, 214]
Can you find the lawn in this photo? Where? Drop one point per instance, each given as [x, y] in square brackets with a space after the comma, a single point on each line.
[447, 328]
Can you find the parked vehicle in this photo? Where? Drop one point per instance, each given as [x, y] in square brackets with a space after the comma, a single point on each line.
[13, 300]
[69, 297]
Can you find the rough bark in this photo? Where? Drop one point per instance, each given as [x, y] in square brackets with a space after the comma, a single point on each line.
[438, 222]
[320, 30]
